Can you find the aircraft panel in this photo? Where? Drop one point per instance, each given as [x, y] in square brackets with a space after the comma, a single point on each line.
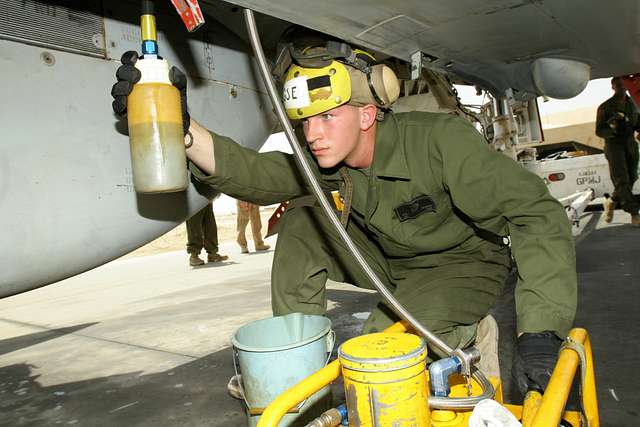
[479, 41]
[54, 25]
[67, 202]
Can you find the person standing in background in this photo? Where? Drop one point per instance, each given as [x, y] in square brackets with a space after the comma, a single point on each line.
[202, 231]
[248, 212]
[617, 122]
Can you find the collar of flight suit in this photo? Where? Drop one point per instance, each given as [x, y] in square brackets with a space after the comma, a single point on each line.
[389, 159]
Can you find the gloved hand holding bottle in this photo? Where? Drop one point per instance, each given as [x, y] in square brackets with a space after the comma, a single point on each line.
[157, 117]
[128, 75]
[155, 113]
[197, 139]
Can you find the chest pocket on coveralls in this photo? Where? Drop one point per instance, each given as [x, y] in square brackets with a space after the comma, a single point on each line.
[414, 208]
[419, 216]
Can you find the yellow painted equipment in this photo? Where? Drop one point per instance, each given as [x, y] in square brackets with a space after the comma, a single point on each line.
[538, 410]
[385, 380]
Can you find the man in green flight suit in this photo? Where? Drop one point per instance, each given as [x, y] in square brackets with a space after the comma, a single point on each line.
[426, 201]
[617, 122]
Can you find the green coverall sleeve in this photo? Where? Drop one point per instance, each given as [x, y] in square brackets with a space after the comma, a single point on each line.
[493, 190]
[259, 178]
[603, 130]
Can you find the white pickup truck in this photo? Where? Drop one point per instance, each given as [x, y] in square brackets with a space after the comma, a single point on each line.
[576, 181]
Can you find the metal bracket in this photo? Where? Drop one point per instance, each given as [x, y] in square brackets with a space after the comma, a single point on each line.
[576, 203]
[508, 93]
[420, 60]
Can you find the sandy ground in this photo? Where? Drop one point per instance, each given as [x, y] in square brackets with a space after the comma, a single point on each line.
[176, 239]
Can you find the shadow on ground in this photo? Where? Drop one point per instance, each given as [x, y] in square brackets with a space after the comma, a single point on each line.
[24, 341]
[193, 394]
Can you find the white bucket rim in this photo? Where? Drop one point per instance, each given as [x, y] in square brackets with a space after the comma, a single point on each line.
[325, 331]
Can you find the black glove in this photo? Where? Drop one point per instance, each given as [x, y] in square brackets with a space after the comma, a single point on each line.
[534, 359]
[128, 75]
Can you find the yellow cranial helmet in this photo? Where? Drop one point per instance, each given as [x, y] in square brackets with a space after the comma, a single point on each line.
[324, 77]
[311, 91]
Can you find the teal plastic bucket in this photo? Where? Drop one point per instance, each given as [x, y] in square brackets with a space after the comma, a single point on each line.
[276, 353]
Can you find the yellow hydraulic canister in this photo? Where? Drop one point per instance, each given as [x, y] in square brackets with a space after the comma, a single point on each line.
[385, 380]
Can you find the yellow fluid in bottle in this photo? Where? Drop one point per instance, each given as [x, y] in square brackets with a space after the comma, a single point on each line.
[156, 138]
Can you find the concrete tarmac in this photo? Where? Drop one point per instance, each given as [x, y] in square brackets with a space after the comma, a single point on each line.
[139, 341]
[145, 341]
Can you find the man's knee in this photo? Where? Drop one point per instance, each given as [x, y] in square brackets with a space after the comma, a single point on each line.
[299, 293]
[454, 335]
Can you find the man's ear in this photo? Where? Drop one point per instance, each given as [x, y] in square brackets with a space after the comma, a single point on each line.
[367, 116]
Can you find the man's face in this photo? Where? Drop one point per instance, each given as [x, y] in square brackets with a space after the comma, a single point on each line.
[617, 86]
[334, 135]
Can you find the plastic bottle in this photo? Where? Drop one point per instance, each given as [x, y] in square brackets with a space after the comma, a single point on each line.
[156, 135]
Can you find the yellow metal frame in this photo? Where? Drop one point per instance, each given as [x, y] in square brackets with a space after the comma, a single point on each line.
[555, 396]
[537, 411]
